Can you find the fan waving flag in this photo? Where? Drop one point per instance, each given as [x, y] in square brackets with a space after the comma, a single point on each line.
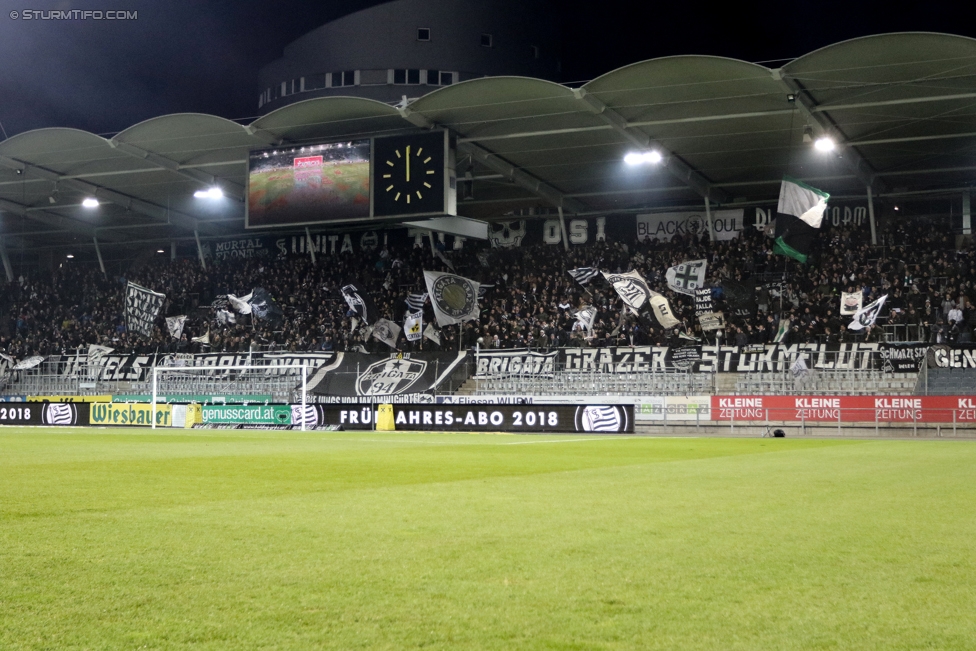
[799, 215]
[454, 298]
[413, 325]
[387, 332]
[631, 288]
[359, 302]
[868, 314]
[686, 277]
[416, 301]
[583, 275]
[586, 316]
[142, 306]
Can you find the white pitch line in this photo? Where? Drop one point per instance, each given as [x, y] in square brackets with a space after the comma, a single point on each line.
[602, 438]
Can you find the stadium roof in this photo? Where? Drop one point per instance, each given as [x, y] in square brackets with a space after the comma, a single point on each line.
[902, 108]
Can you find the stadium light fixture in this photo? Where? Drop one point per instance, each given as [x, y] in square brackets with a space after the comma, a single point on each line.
[70, 256]
[209, 193]
[160, 251]
[642, 158]
[90, 202]
[824, 144]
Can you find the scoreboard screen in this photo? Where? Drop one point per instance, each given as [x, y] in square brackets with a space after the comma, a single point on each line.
[310, 184]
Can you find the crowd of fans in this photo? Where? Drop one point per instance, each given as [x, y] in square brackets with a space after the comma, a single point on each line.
[533, 300]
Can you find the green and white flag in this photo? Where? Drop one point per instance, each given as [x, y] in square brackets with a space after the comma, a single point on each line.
[799, 216]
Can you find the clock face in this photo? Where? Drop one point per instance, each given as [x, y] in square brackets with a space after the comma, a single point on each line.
[408, 174]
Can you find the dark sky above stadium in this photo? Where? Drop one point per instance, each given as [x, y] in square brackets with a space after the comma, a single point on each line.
[203, 56]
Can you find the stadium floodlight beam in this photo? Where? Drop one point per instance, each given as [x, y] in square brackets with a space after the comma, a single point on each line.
[209, 193]
[90, 202]
[642, 158]
[824, 144]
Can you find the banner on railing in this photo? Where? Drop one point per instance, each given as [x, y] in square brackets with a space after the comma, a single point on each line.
[775, 358]
[358, 374]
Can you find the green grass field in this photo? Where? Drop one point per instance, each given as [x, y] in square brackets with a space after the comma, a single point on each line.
[125, 539]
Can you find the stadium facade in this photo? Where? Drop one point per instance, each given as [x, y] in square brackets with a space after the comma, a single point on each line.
[402, 50]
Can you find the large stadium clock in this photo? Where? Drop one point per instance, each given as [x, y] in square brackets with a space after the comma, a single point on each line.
[411, 175]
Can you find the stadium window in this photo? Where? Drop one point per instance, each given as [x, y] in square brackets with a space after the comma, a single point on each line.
[423, 33]
[276, 91]
[261, 100]
[335, 79]
[536, 52]
[399, 76]
[284, 88]
[433, 78]
[413, 76]
[447, 78]
[349, 78]
[313, 82]
[486, 40]
[296, 86]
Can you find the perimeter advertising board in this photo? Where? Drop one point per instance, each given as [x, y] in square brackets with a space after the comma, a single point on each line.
[130, 414]
[52, 413]
[253, 415]
[846, 409]
[605, 419]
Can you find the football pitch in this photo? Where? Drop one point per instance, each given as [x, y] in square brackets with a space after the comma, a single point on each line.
[205, 539]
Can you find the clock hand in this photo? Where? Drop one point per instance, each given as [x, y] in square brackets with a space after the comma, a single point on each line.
[408, 163]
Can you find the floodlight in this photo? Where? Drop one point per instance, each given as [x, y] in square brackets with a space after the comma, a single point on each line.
[160, 251]
[824, 144]
[90, 202]
[640, 158]
[209, 193]
[69, 256]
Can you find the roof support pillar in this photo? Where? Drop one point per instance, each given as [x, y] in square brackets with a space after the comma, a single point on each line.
[708, 218]
[311, 249]
[562, 228]
[967, 220]
[203, 261]
[6, 262]
[874, 229]
[98, 252]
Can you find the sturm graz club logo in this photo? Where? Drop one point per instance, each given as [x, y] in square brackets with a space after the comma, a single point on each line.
[60, 413]
[390, 377]
[601, 418]
[455, 296]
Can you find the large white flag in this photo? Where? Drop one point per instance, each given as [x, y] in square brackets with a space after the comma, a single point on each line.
[175, 325]
[454, 298]
[240, 304]
[686, 277]
[387, 332]
[662, 311]
[868, 314]
[631, 288]
[586, 316]
[413, 325]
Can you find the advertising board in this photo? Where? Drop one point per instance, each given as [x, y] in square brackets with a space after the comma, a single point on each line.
[846, 409]
[603, 418]
[251, 415]
[130, 414]
[52, 413]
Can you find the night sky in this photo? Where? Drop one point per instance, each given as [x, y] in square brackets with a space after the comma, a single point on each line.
[181, 56]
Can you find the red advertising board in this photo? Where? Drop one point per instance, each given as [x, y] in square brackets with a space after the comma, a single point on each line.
[847, 409]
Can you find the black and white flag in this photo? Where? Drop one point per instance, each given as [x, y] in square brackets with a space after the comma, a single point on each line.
[662, 311]
[175, 325]
[430, 332]
[711, 321]
[359, 302]
[583, 275]
[96, 356]
[586, 316]
[867, 315]
[387, 332]
[263, 306]
[703, 301]
[416, 301]
[413, 325]
[240, 304]
[631, 288]
[142, 306]
[484, 289]
[224, 317]
[686, 277]
[454, 298]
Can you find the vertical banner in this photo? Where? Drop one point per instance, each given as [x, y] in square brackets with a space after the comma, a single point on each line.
[142, 306]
